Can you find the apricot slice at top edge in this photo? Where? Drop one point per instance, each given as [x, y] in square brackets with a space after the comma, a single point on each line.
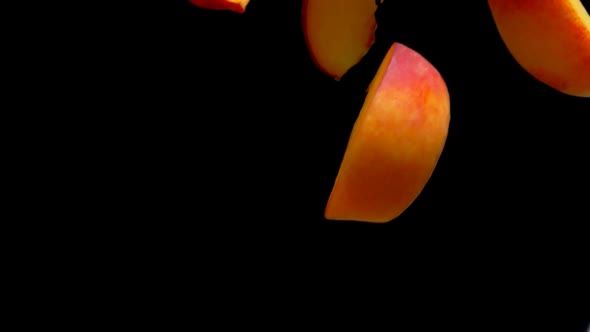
[549, 39]
[238, 6]
[338, 33]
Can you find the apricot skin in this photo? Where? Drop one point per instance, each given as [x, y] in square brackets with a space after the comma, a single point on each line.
[338, 33]
[395, 143]
[238, 6]
[549, 39]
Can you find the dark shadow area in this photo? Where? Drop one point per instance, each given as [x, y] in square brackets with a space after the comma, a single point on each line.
[224, 131]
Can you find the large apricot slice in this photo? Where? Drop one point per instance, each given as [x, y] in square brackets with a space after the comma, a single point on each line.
[396, 140]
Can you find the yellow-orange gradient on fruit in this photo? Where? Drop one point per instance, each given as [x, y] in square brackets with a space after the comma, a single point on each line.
[550, 39]
[338, 33]
[238, 6]
[396, 140]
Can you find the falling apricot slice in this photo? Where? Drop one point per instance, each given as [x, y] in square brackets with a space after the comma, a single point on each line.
[396, 140]
[238, 6]
[338, 33]
[549, 39]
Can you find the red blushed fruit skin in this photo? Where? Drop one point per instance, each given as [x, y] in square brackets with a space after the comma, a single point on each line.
[550, 39]
[238, 7]
[395, 143]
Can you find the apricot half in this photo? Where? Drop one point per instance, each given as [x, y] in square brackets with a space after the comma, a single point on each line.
[396, 140]
[550, 39]
[338, 33]
[238, 6]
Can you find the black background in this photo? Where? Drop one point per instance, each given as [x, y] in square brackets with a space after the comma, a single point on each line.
[244, 126]
[228, 140]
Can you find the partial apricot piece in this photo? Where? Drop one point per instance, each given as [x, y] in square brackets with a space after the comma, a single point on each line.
[338, 33]
[396, 140]
[549, 39]
[238, 6]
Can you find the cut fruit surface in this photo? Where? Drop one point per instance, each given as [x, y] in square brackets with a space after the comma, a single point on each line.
[338, 33]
